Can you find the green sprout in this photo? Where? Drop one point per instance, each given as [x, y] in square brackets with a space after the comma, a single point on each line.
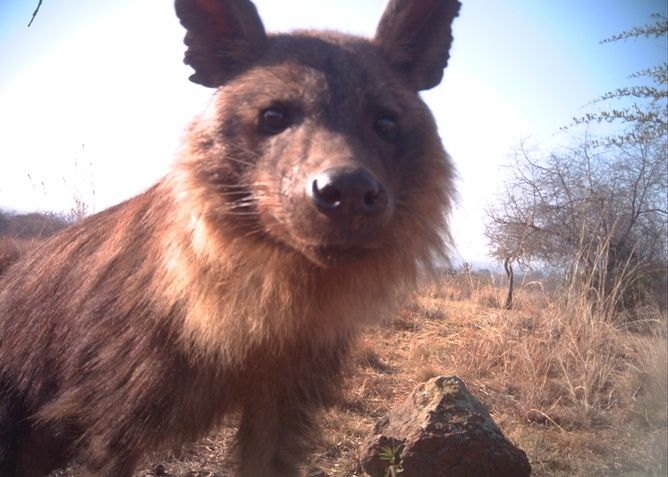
[392, 455]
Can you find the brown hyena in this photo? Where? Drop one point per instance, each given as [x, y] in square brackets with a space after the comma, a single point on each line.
[305, 200]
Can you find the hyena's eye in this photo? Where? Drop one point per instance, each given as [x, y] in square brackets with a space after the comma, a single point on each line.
[387, 128]
[273, 121]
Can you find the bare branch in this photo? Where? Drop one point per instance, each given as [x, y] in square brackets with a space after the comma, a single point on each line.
[34, 14]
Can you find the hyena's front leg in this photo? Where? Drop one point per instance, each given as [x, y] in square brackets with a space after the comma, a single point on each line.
[8, 438]
[274, 435]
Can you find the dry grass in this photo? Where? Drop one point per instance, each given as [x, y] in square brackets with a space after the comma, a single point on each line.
[11, 248]
[579, 393]
[582, 395]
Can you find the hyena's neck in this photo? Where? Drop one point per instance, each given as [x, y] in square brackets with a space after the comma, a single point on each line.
[239, 294]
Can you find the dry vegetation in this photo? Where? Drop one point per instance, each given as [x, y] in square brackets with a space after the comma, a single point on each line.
[582, 391]
[20, 232]
[11, 248]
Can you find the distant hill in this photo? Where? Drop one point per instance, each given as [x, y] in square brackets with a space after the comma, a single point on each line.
[30, 225]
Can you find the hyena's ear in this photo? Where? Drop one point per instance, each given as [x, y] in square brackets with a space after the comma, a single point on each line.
[416, 35]
[223, 37]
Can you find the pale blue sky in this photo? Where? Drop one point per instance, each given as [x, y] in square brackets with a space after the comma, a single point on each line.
[108, 76]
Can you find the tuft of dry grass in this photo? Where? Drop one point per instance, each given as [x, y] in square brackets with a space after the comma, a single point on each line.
[11, 248]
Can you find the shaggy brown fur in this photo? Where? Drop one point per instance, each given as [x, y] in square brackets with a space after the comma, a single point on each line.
[305, 201]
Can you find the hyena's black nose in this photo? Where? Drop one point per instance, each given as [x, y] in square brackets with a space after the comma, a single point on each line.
[344, 193]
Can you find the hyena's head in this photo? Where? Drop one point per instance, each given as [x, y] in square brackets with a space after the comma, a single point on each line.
[318, 142]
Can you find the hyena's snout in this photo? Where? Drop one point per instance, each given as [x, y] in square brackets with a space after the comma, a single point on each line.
[349, 196]
[336, 212]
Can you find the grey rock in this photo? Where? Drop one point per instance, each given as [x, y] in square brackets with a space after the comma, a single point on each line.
[441, 430]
